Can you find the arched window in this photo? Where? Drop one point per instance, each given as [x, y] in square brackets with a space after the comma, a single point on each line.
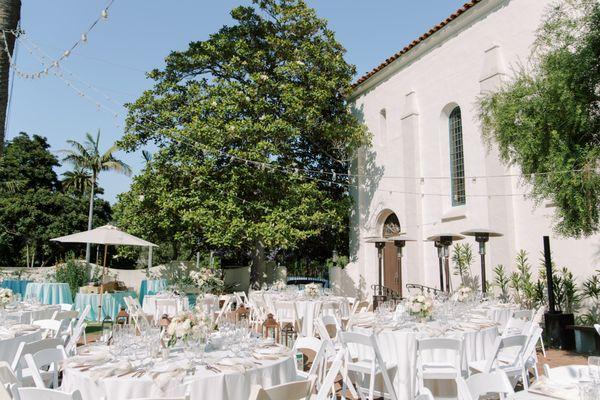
[457, 159]
[391, 226]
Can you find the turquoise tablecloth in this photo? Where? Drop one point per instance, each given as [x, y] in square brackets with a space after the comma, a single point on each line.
[151, 286]
[49, 293]
[17, 286]
[111, 303]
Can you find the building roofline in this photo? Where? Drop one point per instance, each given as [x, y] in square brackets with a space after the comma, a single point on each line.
[366, 77]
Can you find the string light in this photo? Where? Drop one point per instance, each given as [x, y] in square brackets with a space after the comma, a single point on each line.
[54, 65]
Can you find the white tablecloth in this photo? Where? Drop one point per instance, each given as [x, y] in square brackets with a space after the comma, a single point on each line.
[149, 305]
[306, 307]
[500, 313]
[203, 385]
[8, 347]
[399, 347]
[28, 315]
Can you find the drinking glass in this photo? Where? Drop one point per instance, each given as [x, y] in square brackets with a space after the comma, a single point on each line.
[594, 369]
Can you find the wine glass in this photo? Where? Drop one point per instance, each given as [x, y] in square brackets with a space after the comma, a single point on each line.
[594, 368]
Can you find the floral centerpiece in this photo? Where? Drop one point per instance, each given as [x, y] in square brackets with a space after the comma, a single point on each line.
[420, 306]
[312, 290]
[6, 297]
[464, 293]
[183, 326]
[279, 285]
[207, 280]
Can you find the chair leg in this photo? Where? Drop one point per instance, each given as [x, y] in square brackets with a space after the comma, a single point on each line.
[84, 337]
[525, 378]
[543, 347]
[372, 384]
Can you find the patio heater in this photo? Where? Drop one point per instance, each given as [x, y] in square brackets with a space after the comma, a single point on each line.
[482, 235]
[400, 242]
[379, 242]
[440, 253]
[445, 241]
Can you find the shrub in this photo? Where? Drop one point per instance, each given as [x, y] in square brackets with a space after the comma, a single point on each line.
[74, 273]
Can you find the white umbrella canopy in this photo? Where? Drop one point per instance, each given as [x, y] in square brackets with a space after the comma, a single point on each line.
[107, 235]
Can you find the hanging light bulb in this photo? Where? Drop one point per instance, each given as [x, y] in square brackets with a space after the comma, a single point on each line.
[67, 53]
[84, 38]
[104, 14]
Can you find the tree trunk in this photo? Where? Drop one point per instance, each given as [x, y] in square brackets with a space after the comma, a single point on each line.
[88, 246]
[10, 13]
[258, 267]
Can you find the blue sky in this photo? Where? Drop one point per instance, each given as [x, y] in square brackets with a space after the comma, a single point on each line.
[138, 35]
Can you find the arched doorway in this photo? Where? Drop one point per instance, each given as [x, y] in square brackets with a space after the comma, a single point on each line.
[392, 274]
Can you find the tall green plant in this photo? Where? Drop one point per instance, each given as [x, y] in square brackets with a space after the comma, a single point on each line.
[502, 282]
[462, 257]
[74, 273]
[87, 156]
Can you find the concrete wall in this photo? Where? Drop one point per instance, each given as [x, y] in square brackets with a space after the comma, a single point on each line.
[470, 56]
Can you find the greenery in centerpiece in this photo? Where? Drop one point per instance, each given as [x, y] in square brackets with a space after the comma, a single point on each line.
[420, 306]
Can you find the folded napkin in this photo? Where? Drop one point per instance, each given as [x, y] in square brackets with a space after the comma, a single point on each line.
[163, 374]
[558, 391]
[94, 358]
[235, 364]
[108, 370]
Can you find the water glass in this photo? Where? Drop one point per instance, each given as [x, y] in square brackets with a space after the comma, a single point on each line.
[594, 369]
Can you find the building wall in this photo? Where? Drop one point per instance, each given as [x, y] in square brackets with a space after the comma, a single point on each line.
[468, 57]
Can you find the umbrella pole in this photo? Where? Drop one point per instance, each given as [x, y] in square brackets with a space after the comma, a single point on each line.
[102, 284]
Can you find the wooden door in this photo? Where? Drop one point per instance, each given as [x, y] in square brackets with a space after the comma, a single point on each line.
[392, 277]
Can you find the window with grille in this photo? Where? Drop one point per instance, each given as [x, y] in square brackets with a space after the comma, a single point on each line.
[457, 159]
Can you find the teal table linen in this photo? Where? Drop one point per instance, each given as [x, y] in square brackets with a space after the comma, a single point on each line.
[49, 293]
[111, 303]
[17, 286]
[151, 286]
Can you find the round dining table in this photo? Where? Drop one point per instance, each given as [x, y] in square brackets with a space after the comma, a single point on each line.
[152, 286]
[111, 303]
[398, 346]
[174, 378]
[49, 293]
[149, 304]
[27, 313]
[18, 286]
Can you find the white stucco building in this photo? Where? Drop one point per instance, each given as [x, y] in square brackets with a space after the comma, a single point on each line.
[421, 107]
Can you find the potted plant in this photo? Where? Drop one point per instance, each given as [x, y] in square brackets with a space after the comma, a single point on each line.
[587, 340]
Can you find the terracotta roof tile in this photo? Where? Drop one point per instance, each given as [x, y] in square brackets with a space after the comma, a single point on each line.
[415, 42]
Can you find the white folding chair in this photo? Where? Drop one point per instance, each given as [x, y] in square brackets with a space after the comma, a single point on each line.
[525, 315]
[165, 306]
[51, 326]
[438, 368]
[287, 313]
[314, 348]
[483, 384]
[136, 314]
[78, 331]
[425, 395]
[529, 352]
[516, 326]
[514, 366]
[7, 378]
[186, 397]
[332, 326]
[65, 307]
[60, 315]
[240, 298]
[47, 394]
[45, 362]
[81, 320]
[295, 390]
[537, 320]
[19, 365]
[226, 305]
[597, 326]
[327, 391]
[372, 366]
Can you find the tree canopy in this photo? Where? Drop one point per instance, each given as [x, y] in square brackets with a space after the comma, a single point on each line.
[235, 117]
[35, 209]
[547, 119]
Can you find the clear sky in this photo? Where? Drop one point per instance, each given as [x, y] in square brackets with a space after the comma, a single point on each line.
[136, 37]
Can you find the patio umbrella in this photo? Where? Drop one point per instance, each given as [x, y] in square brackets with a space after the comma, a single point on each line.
[107, 235]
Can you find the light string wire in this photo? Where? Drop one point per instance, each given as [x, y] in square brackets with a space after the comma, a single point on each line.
[54, 64]
[43, 59]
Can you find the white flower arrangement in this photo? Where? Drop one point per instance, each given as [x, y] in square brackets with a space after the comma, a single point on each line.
[312, 290]
[464, 293]
[420, 305]
[182, 326]
[279, 285]
[6, 297]
[207, 280]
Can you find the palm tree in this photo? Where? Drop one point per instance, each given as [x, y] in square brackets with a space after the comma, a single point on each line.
[78, 180]
[87, 156]
[10, 14]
